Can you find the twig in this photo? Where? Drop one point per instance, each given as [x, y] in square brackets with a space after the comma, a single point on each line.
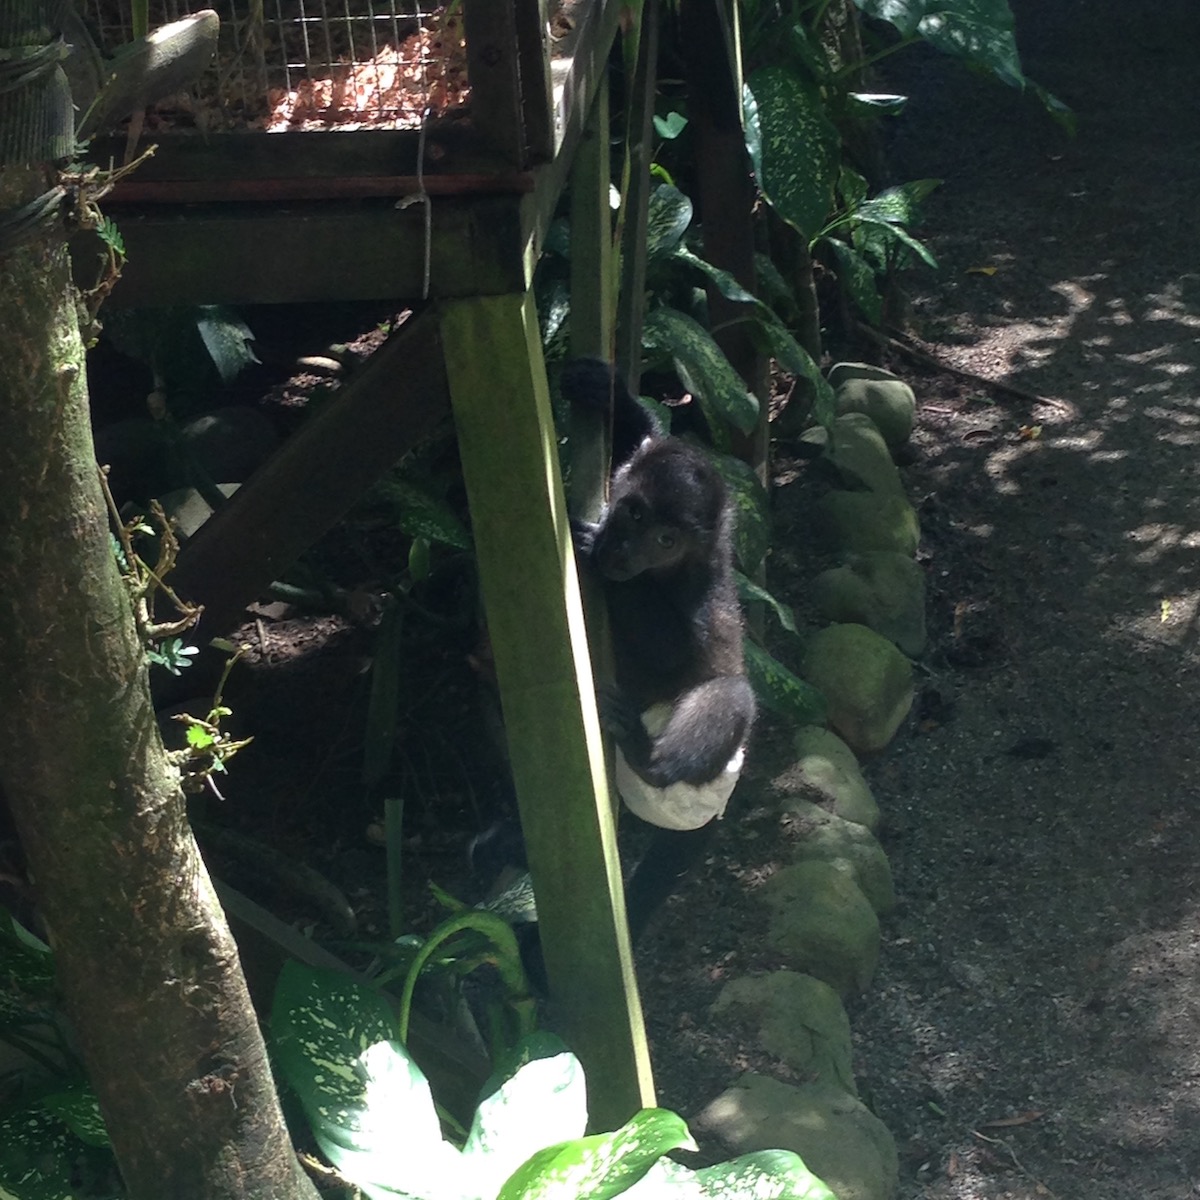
[905, 348]
[1042, 1189]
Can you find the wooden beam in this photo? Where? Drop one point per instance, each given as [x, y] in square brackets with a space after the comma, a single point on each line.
[509, 455]
[537, 98]
[493, 68]
[317, 250]
[451, 147]
[318, 473]
[577, 79]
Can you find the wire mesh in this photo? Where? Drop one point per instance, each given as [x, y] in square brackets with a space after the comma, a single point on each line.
[312, 64]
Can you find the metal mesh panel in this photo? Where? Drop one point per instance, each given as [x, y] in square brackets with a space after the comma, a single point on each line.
[313, 64]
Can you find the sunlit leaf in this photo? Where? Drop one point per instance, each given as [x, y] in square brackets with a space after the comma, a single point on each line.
[668, 217]
[794, 148]
[701, 365]
[858, 280]
[750, 592]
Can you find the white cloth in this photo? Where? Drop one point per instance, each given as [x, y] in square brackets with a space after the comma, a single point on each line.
[678, 805]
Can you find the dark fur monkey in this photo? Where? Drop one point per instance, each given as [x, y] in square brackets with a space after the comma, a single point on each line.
[681, 709]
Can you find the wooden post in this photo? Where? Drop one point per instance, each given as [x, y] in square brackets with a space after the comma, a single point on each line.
[509, 456]
[494, 69]
[631, 303]
[593, 303]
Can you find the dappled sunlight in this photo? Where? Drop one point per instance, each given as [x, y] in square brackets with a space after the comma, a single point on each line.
[1155, 978]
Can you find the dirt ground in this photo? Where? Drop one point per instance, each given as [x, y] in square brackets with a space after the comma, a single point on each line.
[1033, 1027]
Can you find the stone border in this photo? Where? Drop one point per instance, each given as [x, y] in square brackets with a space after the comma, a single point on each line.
[823, 909]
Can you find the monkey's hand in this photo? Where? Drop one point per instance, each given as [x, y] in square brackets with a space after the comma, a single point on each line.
[583, 534]
[621, 719]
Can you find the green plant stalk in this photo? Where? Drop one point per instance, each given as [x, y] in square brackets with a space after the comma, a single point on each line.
[508, 963]
[393, 832]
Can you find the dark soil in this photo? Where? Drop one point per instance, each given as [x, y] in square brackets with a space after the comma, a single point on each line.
[1034, 1025]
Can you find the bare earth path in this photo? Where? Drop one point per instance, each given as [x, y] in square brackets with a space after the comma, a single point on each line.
[1045, 821]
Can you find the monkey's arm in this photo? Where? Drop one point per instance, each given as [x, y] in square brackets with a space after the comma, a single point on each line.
[593, 384]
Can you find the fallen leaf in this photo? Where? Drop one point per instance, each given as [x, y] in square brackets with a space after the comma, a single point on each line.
[981, 270]
[1165, 610]
[1029, 433]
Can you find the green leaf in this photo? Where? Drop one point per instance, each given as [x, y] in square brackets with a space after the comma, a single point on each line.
[669, 214]
[785, 694]
[896, 235]
[26, 971]
[905, 15]
[749, 591]
[793, 146]
[805, 50]
[773, 288]
[752, 515]
[874, 104]
[900, 205]
[369, 1106]
[37, 1156]
[79, 1109]
[852, 188]
[199, 737]
[419, 563]
[227, 339]
[110, 235]
[763, 1175]
[539, 1044]
[545, 1102]
[980, 31]
[553, 297]
[723, 280]
[857, 279]
[420, 514]
[1062, 113]
[601, 1166]
[701, 365]
[793, 358]
[671, 126]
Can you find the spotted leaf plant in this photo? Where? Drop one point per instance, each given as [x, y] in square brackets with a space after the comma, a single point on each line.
[372, 1114]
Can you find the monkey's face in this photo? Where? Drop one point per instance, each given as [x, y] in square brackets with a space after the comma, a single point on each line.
[633, 540]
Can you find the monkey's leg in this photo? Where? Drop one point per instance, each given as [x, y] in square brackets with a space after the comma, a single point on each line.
[669, 857]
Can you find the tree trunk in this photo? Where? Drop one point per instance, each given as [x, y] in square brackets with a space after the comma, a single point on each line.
[148, 969]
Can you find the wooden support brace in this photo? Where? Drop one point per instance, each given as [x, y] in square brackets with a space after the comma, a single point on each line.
[315, 477]
[509, 456]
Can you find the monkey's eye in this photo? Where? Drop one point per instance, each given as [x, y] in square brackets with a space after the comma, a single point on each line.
[666, 539]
